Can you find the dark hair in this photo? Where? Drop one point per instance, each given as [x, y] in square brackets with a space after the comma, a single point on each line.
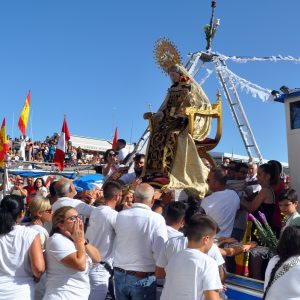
[157, 203]
[138, 157]
[42, 180]
[52, 189]
[121, 141]
[10, 208]
[272, 170]
[219, 175]
[200, 226]
[111, 189]
[288, 246]
[193, 208]
[277, 164]
[289, 194]
[241, 165]
[175, 212]
[107, 152]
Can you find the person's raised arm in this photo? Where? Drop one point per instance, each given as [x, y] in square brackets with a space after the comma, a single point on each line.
[256, 202]
[36, 257]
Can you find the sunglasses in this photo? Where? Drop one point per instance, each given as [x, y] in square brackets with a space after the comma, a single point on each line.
[112, 154]
[74, 218]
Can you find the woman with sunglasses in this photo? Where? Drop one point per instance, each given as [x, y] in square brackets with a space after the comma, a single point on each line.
[111, 166]
[68, 257]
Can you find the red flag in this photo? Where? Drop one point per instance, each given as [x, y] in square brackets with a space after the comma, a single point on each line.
[3, 143]
[114, 143]
[59, 156]
[23, 120]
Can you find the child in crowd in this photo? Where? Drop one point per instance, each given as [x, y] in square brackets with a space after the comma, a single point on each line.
[288, 203]
[191, 274]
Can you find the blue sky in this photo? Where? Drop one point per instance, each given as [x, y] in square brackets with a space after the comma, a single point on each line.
[93, 61]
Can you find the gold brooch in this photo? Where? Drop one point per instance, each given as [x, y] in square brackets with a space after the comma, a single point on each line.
[166, 54]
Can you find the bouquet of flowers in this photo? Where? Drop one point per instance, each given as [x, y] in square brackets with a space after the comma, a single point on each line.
[264, 232]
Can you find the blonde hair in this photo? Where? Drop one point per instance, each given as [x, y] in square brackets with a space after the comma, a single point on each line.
[38, 204]
[59, 217]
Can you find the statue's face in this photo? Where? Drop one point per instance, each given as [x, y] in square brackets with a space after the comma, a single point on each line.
[175, 77]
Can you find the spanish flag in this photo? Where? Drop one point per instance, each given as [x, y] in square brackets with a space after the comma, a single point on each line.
[3, 143]
[24, 115]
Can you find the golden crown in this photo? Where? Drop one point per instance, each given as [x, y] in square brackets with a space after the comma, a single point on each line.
[166, 54]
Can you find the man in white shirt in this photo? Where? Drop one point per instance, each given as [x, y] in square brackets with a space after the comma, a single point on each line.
[101, 234]
[222, 204]
[122, 151]
[139, 161]
[65, 191]
[191, 274]
[140, 235]
[251, 179]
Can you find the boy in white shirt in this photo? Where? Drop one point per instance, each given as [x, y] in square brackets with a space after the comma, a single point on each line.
[191, 274]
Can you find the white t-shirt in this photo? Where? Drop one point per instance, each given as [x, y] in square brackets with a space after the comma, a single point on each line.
[101, 230]
[173, 232]
[122, 154]
[64, 282]
[43, 234]
[128, 178]
[286, 287]
[16, 281]
[222, 207]
[177, 244]
[140, 235]
[82, 208]
[42, 191]
[188, 274]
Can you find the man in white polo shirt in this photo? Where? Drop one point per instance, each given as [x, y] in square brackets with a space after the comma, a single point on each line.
[222, 204]
[65, 191]
[101, 234]
[140, 235]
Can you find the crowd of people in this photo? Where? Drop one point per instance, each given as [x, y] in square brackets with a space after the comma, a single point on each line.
[127, 238]
[20, 149]
[130, 239]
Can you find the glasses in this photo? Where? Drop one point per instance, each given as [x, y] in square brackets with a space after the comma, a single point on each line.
[112, 154]
[74, 218]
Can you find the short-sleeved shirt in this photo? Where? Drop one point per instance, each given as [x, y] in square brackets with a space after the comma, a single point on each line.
[222, 207]
[64, 282]
[287, 286]
[188, 274]
[101, 230]
[177, 244]
[140, 235]
[15, 270]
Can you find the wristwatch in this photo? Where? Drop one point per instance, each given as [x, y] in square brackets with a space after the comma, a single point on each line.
[86, 242]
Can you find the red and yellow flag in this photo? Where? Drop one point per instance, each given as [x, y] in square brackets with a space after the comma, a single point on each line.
[23, 120]
[3, 143]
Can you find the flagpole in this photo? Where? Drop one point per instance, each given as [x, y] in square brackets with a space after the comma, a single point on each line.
[12, 126]
[31, 134]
